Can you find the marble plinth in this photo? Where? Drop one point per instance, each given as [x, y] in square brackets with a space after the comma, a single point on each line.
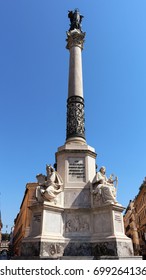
[76, 224]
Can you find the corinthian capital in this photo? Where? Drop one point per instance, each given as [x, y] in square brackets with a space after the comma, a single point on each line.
[75, 38]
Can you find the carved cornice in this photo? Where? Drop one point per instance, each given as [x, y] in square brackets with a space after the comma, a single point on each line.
[86, 152]
[75, 38]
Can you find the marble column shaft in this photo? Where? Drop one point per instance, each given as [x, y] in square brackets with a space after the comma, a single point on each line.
[75, 102]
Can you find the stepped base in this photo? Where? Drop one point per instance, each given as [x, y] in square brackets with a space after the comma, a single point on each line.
[109, 249]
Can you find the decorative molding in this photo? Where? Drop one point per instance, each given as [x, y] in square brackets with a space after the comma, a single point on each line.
[76, 224]
[75, 38]
[75, 117]
[54, 250]
[86, 152]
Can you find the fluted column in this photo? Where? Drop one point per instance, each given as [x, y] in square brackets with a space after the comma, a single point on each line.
[75, 102]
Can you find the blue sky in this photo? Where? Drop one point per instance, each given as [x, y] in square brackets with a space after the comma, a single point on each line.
[34, 84]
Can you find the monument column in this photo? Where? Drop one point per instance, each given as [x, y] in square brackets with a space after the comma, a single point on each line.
[74, 213]
[75, 160]
[75, 102]
[91, 227]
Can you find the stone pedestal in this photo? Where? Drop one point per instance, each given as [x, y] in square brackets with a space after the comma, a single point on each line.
[108, 232]
[90, 228]
[96, 232]
[76, 165]
[76, 224]
[46, 232]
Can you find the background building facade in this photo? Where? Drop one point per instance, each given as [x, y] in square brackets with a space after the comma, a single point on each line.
[135, 221]
[1, 225]
[22, 221]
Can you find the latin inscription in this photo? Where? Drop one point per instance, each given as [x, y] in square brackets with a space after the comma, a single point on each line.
[37, 217]
[76, 169]
[118, 222]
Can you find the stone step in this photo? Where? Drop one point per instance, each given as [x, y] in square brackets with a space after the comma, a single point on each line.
[77, 258]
